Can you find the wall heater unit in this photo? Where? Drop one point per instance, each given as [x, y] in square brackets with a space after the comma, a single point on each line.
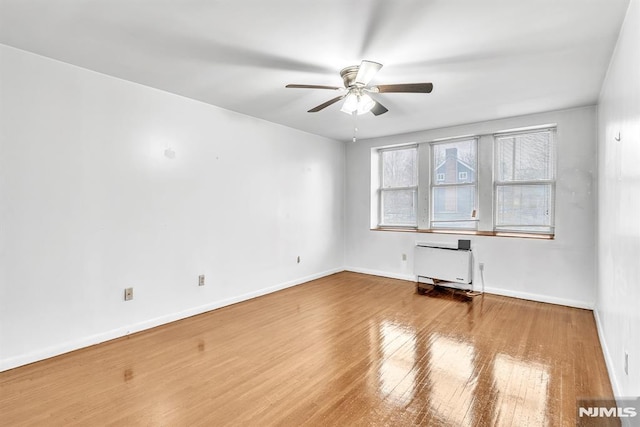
[443, 263]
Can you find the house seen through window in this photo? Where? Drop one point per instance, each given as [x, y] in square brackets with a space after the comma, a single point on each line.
[453, 199]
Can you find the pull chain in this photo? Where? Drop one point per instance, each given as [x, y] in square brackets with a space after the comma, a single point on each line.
[355, 125]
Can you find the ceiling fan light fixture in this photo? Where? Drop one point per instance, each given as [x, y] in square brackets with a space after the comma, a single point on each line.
[365, 104]
[350, 103]
[357, 103]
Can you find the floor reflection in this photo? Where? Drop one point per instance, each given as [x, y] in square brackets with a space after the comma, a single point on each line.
[397, 370]
[453, 380]
[522, 392]
[431, 377]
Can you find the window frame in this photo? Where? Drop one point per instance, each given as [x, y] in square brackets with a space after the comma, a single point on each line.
[551, 182]
[381, 189]
[485, 187]
[433, 183]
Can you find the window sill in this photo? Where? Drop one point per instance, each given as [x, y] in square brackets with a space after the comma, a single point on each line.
[469, 233]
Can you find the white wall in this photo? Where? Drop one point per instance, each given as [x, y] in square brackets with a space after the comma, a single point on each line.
[618, 284]
[89, 205]
[559, 271]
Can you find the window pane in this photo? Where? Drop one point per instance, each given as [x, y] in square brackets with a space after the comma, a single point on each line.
[455, 162]
[399, 168]
[520, 206]
[525, 157]
[454, 203]
[399, 207]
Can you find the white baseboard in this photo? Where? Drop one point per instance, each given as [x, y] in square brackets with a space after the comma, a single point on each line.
[617, 391]
[410, 277]
[66, 347]
[496, 291]
[540, 298]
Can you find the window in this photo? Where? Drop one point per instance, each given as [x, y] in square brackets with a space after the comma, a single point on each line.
[524, 181]
[500, 183]
[398, 186]
[453, 203]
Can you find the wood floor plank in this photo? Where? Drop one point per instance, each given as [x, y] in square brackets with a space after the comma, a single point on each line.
[348, 349]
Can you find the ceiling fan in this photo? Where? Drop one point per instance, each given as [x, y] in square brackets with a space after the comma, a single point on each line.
[356, 93]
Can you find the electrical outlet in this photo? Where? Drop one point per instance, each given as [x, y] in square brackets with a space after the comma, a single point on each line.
[298, 260]
[626, 362]
[201, 280]
[481, 266]
[128, 294]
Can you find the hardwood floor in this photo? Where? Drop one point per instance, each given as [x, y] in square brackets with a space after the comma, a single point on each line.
[348, 349]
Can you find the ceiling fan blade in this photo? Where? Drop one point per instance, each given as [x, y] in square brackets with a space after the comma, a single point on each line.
[326, 104]
[378, 109]
[294, 86]
[366, 71]
[405, 87]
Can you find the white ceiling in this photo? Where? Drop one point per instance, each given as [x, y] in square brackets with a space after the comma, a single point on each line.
[487, 59]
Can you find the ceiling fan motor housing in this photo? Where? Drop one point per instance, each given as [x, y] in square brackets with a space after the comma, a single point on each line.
[348, 75]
